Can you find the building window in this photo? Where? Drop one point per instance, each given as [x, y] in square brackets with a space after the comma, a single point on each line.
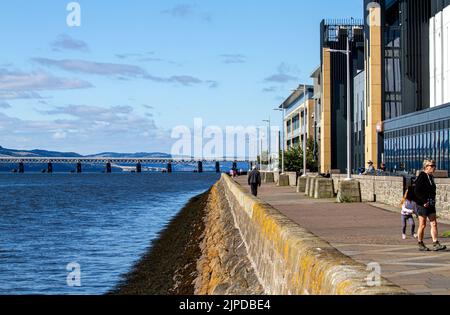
[393, 103]
[296, 123]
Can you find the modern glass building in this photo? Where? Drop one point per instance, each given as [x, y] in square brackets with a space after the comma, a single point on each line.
[417, 83]
[412, 138]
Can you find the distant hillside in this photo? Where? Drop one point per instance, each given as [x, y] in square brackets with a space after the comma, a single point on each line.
[35, 153]
[131, 155]
[44, 153]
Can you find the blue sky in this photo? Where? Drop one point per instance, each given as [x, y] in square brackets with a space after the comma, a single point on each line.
[135, 69]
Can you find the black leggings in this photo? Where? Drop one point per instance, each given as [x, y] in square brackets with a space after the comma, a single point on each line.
[405, 219]
[254, 189]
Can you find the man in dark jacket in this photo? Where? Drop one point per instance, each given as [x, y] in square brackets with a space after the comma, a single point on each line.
[425, 193]
[254, 180]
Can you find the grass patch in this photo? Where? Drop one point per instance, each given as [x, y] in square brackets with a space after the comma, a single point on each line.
[446, 234]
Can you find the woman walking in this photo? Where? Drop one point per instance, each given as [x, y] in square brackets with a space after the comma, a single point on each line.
[425, 193]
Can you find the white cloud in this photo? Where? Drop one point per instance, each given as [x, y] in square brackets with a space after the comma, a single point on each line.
[65, 42]
[17, 81]
[60, 135]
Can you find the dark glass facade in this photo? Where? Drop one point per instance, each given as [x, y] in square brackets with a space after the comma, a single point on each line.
[405, 40]
[392, 55]
[413, 131]
[411, 139]
[334, 35]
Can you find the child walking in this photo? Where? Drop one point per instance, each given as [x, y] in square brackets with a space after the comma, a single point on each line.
[409, 208]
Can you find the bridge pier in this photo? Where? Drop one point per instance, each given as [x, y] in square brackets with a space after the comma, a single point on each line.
[139, 168]
[21, 168]
[169, 167]
[200, 166]
[217, 167]
[49, 167]
[108, 168]
[79, 168]
[234, 166]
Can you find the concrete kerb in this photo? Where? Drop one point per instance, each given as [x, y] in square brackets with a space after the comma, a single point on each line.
[303, 263]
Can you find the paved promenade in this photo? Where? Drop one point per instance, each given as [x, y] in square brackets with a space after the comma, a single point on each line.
[367, 234]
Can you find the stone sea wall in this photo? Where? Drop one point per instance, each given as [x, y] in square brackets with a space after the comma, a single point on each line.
[443, 198]
[224, 267]
[288, 259]
[387, 190]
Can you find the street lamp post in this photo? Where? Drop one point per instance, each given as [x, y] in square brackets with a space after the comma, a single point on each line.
[269, 145]
[282, 137]
[349, 124]
[305, 117]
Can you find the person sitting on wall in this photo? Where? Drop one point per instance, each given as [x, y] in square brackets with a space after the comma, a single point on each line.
[370, 170]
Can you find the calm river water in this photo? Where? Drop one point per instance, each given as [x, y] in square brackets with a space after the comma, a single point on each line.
[101, 223]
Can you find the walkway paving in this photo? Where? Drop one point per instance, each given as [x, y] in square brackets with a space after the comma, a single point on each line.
[367, 234]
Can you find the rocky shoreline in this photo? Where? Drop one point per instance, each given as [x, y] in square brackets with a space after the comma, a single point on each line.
[200, 252]
[170, 266]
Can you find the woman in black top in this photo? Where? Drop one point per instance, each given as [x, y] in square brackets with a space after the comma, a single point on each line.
[425, 192]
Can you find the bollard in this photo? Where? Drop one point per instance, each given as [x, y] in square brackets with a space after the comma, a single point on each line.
[323, 188]
[283, 180]
[349, 191]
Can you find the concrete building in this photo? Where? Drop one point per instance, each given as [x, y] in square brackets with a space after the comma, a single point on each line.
[407, 83]
[316, 76]
[299, 112]
[333, 135]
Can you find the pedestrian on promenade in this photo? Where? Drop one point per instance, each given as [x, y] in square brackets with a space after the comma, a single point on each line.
[254, 180]
[409, 208]
[425, 193]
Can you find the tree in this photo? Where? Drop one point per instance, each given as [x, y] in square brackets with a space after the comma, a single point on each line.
[293, 158]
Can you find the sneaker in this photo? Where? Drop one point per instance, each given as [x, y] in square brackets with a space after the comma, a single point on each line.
[423, 248]
[403, 236]
[415, 235]
[438, 247]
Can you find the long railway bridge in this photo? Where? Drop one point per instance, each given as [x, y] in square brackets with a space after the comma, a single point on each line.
[109, 162]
